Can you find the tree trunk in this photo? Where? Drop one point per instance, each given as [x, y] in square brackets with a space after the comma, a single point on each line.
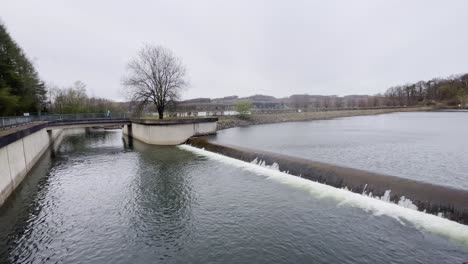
[161, 113]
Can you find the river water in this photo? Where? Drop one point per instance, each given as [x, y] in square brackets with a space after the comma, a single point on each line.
[101, 199]
[425, 146]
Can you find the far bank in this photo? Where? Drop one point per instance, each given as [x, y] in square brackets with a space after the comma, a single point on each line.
[226, 122]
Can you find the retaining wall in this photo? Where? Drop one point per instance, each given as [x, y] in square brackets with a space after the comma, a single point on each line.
[20, 153]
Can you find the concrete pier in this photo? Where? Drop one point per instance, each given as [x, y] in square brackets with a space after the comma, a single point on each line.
[169, 132]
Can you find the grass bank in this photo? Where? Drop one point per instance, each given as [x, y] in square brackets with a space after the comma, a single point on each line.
[256, 119]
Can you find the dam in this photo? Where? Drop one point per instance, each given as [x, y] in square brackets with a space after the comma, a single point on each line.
[102, 196]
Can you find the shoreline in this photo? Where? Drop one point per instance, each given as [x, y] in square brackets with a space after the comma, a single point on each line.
[226, 122]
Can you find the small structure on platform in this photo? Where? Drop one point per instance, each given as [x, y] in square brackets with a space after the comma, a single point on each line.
[169, 131]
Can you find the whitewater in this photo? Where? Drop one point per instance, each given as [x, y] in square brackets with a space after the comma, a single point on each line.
[404, 212]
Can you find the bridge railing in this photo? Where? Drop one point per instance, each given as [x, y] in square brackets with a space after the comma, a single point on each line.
[6, 122]
[12, 121]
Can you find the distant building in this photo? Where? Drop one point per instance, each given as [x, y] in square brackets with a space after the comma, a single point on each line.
[265, 103]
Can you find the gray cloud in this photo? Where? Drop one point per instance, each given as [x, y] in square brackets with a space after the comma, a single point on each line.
[246, 47]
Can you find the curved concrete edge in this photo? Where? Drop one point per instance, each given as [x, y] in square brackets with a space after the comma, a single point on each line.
[19, 157]
[164, 122]
[434, 199]
[170, 133]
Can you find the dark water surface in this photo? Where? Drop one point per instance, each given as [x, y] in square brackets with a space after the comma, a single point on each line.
[100, 200]
[425, 146]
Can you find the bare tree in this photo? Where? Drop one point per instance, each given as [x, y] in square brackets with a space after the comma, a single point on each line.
[155, 76]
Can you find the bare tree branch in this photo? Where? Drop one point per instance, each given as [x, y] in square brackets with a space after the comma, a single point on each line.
[156, 75]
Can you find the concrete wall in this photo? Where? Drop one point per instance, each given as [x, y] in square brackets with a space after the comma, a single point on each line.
[172, 134]
[126, 130]
[201, 129]
[19, 157]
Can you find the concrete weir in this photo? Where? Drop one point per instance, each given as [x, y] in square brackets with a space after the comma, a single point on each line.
[19, 152]
[169, 132]
[434, 199]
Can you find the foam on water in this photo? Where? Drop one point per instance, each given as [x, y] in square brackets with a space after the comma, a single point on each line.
[375, 205]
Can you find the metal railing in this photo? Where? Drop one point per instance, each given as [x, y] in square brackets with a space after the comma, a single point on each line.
[12, 121]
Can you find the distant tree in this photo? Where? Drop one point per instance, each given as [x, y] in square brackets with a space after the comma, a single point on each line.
[244, 107]
[74, 100]
[8, 102]
[462, 96]
[326, 101]
[362, 102]
[339, 102]
[372, 101]
[71, 100]
[299, 100]
[448, 91]
[155, 76]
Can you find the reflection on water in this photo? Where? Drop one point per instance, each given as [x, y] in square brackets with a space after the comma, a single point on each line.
[426, 146]
[104, 199]
[166, 214]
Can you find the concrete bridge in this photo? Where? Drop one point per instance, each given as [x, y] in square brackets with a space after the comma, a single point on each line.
[87, 119]
[93, 122]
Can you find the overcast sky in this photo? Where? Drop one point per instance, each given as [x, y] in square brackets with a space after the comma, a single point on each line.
[246, 47]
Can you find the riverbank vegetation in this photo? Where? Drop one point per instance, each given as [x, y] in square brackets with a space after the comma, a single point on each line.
[244, 109]
[449, 92]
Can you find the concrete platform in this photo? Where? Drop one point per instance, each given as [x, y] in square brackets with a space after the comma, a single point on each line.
[170, 131]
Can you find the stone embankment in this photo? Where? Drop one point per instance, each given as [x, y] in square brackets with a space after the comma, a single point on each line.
[256, 119]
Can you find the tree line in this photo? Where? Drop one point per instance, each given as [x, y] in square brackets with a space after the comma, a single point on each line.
[75, 100]
[443, 92]
[438, 92]
[21, 89]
